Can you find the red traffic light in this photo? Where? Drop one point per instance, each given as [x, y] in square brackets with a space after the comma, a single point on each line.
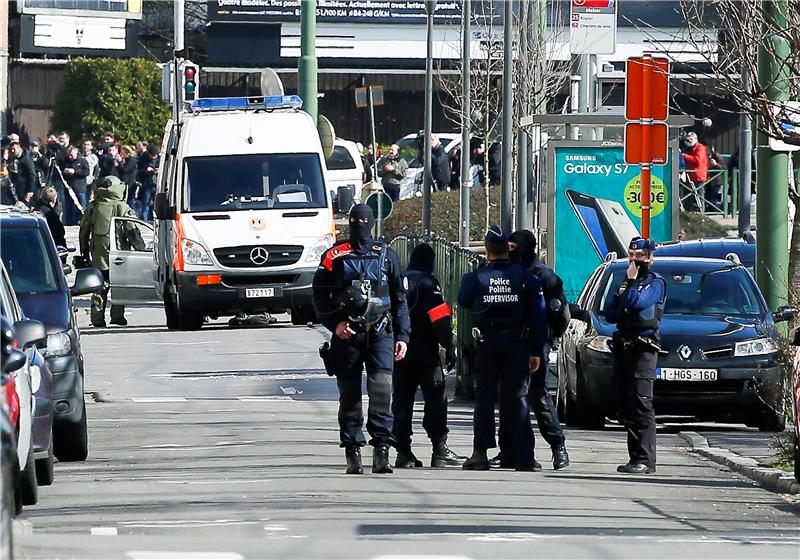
[189, 72]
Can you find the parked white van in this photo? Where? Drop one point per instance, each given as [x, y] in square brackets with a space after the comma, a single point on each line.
[243, 212]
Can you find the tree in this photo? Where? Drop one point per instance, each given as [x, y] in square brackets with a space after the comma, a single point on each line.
[106, 94]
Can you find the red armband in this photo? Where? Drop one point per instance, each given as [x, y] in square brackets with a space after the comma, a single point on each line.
[439, 312]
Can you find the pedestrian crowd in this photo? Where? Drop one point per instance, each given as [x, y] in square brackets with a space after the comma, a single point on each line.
[30, 174]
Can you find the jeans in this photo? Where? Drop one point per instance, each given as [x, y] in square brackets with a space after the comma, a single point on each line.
[146, 195]
[72, 215]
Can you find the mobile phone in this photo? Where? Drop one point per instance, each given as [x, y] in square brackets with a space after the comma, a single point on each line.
[605, 222]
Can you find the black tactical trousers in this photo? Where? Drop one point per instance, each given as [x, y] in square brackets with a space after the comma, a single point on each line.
[375, 350]
[634, 372]
[502, 364]
[409, 375]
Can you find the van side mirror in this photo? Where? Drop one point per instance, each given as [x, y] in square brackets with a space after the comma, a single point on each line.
[87, 281]
[785, 313]
[15, 360]
[30, 333]
[162, 208]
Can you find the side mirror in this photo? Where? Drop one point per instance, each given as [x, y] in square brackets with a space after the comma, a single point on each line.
[71, 248]
[578, 313]
[30, 333]
[344, 199]
[67, 269]
[14, 361]
[87, 281]
[785, 313]
[162, 208]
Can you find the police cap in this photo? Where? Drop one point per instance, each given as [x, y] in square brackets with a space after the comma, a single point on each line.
[496, 236]
[640, 243]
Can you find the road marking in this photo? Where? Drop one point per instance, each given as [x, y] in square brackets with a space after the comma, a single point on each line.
[291, 390]
[214, 482]
[186, 447]
[275, 528]
[174, 555]
[104, 531]
[151, 400]
[184, 343]
[186, 523]
[257, 398]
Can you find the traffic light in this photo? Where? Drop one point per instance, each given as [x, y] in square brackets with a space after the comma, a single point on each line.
[191, 80]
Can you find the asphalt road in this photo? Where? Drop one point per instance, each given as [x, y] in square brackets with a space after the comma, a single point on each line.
[222, 444]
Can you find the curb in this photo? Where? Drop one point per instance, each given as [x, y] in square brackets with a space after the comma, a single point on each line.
[774, 480]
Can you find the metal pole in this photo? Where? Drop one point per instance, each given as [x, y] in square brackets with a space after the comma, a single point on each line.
[745, 163]
[307, 65]
[466, 184]
[508, 122]
[521, 216]
[427, 177]
[379, 192]
[574, 97]
[646, 122]
[4, 68]
[772, 214]
[178, 29]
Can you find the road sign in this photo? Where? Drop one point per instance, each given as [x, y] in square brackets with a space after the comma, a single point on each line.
[634, 139]
[788, 117]
[386, 204]
[658, 83]
[361, 97]
[593, 27]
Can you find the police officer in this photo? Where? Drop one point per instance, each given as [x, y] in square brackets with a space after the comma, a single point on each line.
[359, 296]
[510, 329]
[431, 327]
[636, 308]
[522, 245]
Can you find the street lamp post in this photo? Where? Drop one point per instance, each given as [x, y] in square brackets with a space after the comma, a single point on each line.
[466, 184]
[427, 177]
[508, 115]
[307, 65]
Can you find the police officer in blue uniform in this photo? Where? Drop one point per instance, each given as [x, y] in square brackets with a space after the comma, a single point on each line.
[636, 308]
[359, 296]
[522, 245]
[431, 327]
[510, 328]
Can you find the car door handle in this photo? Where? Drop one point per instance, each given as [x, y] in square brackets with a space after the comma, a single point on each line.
[119, 260]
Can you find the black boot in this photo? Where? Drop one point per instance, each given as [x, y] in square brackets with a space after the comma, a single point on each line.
[500, 461]
[353, 455]
[406, 459]
[560, 457]
[380, 460]
[478, 461]
[443, 456]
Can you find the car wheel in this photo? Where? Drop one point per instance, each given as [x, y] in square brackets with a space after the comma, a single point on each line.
[588, 417]
[72, 439]
[30, 486]
[7, 511]
[170, 312]
[44, 467]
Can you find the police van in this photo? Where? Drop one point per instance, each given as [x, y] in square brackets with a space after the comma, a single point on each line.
[243, 213]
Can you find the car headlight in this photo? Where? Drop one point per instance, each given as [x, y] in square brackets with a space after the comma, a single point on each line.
[58, 344]
[757, 347]
[600, 344]
[322, 244]
[194, 253]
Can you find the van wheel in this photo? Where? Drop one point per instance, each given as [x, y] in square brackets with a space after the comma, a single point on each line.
[170, 312]
[30, 486]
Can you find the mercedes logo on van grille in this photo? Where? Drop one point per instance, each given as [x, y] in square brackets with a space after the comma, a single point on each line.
[259, 256]
[685, 352]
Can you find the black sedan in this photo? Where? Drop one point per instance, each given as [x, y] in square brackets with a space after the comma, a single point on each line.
[721, 357]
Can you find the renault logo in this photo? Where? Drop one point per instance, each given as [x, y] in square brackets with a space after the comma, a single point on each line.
[259, 255]
[685, 352]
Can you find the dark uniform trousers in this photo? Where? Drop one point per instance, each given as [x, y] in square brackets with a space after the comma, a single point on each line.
[543, 408]
[375, 350]
[410, 374]
[634, 370]
[502, 363]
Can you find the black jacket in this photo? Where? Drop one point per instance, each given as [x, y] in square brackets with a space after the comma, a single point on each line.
[127, 171]
[431, 318]
[440, 167]
[77, 180]
[54, 223]
[23, 175]
[108, 166]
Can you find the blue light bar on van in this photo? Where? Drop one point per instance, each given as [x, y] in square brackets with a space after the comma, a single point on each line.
[247, 103]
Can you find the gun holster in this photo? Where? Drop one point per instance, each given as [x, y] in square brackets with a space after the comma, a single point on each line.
[327, 359]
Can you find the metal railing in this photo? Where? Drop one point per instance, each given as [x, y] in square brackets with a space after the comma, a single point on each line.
[452, 263]
[693, 196]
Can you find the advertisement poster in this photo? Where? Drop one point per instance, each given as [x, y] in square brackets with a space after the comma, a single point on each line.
[594, 209]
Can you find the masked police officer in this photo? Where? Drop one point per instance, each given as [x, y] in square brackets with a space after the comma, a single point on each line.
[359, 296]
[431, 327]
[522, 245]
[636, 308]
[510, 329]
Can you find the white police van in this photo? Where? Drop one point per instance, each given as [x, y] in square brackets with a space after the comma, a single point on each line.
[243, 213]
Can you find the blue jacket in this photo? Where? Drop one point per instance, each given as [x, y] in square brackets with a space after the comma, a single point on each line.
[637, 306]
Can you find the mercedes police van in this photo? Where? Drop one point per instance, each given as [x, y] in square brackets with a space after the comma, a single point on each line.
[243, 213]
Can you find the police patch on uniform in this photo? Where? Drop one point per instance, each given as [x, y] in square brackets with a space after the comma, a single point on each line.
[405, 282]
[377, 247]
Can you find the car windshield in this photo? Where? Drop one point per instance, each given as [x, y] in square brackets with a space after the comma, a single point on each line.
[25, 256]
[698, 291]
[340, 160]
[257, 181]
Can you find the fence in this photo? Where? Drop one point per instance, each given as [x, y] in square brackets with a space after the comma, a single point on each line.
[452, 263]
[693, 197]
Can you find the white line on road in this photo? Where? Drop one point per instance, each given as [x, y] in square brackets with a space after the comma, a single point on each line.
[104, 531]
[275, 528]
[215, 482]
[291, 390]
[150, 400]
[257, 398]
[184, 343]
[172, 555]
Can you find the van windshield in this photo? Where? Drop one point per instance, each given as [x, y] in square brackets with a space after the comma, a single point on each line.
[256, 181]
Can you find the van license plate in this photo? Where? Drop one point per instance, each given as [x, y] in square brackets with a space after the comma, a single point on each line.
[680, 374]
[259, 292]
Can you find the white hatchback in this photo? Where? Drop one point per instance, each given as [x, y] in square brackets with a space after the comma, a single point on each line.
[345, 169]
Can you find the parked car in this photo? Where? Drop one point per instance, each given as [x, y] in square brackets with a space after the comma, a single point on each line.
[717, 248]
[38, 278]
[345, 170]
[720, 358]
[412, 182]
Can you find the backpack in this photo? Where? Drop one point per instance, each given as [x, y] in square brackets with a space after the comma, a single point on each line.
[552, 288]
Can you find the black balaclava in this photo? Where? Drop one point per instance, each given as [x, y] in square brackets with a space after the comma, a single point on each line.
[361, 234]
[422, 258]
[525, 253]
